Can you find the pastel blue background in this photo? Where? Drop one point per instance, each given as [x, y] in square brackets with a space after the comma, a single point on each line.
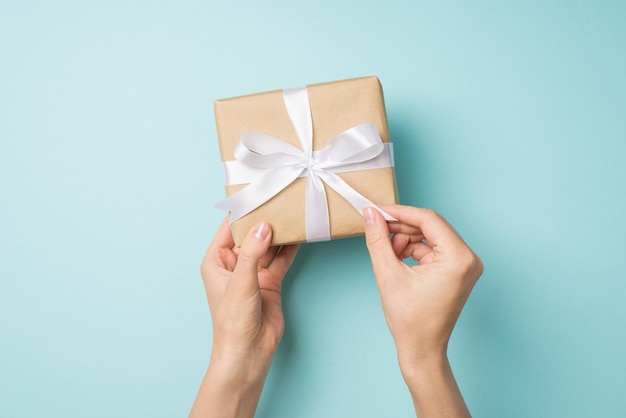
[508, 118]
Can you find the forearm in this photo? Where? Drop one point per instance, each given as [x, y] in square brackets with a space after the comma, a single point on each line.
[433, 388]
[231, 388]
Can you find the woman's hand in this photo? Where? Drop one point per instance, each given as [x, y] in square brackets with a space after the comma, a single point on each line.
[243, 290]
[422, 303]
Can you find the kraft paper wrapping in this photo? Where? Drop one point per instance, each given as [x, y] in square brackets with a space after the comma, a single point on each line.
[335, 107]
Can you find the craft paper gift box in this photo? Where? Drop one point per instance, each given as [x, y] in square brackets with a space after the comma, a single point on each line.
[281, 121]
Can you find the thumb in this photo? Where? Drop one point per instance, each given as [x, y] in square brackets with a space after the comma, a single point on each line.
[378, 243]
[254, 246]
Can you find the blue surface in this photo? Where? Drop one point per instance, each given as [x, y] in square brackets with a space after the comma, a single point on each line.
[508, 118]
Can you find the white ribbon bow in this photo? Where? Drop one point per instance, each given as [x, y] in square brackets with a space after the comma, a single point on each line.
[270, 164]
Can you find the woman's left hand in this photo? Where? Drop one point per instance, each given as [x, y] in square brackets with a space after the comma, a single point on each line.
[243, 288]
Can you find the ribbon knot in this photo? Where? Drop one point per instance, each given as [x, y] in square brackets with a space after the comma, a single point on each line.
[270, 164]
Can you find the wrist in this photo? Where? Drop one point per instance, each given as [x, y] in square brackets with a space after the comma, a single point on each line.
[412, 357]
[419, 368]
[240, 368]
[232, 385]
[432, 386]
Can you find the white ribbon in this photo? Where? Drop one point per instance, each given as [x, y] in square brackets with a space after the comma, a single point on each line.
[270, 164]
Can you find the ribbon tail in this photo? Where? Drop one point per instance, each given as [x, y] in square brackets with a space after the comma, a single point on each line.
[316, 210]
[356, 199]
[256, 194]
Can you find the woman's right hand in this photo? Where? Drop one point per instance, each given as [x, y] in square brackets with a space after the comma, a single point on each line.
[422, 303]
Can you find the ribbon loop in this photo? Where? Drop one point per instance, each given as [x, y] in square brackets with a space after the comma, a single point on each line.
[358, 144]
[265, 151]
[273, 164]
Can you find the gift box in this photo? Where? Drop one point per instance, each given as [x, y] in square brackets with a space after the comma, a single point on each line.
[306, 160]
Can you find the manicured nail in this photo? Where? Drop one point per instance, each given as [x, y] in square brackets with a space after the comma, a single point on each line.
[368, 216]
[261, 231]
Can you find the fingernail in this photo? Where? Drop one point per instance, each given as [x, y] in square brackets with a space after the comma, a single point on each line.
[261, 231]
[368, 216]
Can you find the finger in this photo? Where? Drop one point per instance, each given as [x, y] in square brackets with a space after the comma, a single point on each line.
[272, 277]
[384, 259]
[254, 246]
[223, 237]
[268, 257]
[406, 246]
[408, 238]
[399, 242]
[434, 227]
[400, 228]
[283, 260]
[418, 251]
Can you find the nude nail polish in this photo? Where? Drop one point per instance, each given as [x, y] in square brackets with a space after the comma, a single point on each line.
[261, 231]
